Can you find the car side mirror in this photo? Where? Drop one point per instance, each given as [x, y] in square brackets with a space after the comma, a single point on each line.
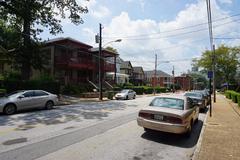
[21, 96]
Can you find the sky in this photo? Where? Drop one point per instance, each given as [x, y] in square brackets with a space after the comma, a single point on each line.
[174, 30]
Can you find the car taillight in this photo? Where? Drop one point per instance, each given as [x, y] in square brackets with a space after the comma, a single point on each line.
[145, 115]
[173, 120]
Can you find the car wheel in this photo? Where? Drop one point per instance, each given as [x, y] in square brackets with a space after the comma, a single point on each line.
[189, 131]
[126, 97]
[49, 105]
[134, 96]
[10, 109]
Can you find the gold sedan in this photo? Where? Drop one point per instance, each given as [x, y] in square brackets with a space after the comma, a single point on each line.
[174, 114]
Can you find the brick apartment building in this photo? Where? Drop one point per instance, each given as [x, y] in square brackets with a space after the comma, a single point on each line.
[162, 79]
[184, 81]
[71, 61]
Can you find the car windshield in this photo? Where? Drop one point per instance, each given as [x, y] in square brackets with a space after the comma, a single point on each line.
[13, 93]
[174, 103]
[193, 95]
[124, 91]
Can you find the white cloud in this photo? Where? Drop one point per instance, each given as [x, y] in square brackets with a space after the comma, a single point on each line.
[142, 52]
[96, 10]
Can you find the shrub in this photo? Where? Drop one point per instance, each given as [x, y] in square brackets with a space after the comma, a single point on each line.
[128, 85]
[13, 85]
[232, 95]
[238, 99]
[2, 92]
[228, 94]
[138, 89]
[161, 90]
[117, 88]
[76, 89]
[110, 94]
[148, 90]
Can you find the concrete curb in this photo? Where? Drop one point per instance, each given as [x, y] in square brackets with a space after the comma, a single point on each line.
[199, 143]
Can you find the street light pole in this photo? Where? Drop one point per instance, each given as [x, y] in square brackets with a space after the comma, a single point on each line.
[100, 63]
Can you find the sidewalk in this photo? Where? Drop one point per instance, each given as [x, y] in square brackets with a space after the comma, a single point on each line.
[221, 137]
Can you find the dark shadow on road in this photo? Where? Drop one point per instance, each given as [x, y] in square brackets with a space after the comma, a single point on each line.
[175, 139]
[63, 114]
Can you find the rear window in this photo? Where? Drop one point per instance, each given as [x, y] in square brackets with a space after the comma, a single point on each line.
[168, 103]
[193, 95]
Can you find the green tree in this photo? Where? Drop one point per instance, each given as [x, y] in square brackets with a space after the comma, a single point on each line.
[199, 80]
[111, 49]
[29, 17]
[226, 63]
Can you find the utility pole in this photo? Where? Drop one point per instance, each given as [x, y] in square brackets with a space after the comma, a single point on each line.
[100, 63]
[212, 47]
[155, 75]
[214, 73]
[173, 80]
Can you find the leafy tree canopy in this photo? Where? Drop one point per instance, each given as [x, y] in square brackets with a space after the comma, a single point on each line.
[226, 59]
[26, 19]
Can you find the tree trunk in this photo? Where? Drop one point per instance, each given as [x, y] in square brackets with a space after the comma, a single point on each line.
[26, 62]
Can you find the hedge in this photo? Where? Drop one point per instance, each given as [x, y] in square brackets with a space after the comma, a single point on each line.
[50, 86]
[138, 89]
[235, 96]
[2, 92]
[76, 89]
[145, 89]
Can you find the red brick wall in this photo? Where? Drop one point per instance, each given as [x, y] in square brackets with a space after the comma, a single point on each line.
[184, 82]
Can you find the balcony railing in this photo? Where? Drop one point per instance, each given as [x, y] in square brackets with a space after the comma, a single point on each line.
[78, 63]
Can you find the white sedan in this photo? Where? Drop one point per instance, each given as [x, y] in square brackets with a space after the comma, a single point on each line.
[174, 114]
[126, 94]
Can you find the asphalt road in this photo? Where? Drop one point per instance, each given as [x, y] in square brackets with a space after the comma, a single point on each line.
[130, 142]
[117, 136]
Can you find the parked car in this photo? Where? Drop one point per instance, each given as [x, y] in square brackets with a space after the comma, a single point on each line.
[174, 114]
[205, 96]
[197, 98]
[126, 94]
[21, 100]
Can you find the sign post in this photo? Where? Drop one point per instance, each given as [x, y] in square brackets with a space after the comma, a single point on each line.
[210, 76]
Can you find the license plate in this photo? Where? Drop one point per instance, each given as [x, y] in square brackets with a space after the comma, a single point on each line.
[158, 117]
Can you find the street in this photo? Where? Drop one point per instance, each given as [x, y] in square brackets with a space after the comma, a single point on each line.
[90, 130]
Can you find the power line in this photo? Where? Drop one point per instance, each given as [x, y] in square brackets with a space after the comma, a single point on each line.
[180, 34]
[177, 29]
[174, 46]
[227, 38]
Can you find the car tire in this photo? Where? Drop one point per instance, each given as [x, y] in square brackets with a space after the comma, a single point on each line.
[49, 105]
[10, 109]
[134, 96]
[126, 97]
[189, 131]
